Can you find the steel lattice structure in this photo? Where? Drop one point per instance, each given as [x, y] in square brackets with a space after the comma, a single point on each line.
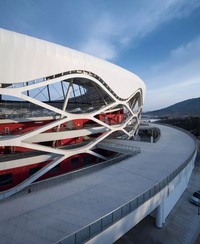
[57, 103]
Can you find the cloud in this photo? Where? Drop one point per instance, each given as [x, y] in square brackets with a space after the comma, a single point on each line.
[181, 65]
[100, 48]
[186, 53]
[99, 41]
[166, 96]
[153, 14]
[113, 29]
[177, 78]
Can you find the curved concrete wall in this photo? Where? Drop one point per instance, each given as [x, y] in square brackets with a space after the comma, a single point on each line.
[168, 197]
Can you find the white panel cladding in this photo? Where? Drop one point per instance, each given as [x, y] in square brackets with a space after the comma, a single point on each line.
[25, 58]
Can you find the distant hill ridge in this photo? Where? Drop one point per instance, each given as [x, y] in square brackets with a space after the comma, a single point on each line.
[190, 107]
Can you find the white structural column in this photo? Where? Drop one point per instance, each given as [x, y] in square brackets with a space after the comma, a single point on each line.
[64, 105]
[159, 216]
[67, 96]
[163, 208]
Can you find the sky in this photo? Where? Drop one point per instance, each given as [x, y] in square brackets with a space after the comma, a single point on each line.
[157, 40]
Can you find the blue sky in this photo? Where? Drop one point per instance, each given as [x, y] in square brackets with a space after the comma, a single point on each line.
[158, 40]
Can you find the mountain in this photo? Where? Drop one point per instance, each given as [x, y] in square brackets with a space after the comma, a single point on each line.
[190, 107]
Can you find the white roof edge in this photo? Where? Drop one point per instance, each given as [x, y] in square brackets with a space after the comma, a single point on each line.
[25, 58]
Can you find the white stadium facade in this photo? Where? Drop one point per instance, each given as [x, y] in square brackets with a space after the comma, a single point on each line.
[70, 148]
[57, 104]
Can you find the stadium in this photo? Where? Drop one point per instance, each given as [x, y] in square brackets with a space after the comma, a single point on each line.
[73, 166]
[58, 107]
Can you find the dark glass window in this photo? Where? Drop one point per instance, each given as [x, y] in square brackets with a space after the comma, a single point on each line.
[55, 169]
[34, 170]
[87, 159]
[75, 161]
[6, 179]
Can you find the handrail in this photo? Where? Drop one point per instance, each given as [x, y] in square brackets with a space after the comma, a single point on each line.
[150, 138]
[159, 135]
[99, 225]
[10, 192]
[119, 147]
[71, 175]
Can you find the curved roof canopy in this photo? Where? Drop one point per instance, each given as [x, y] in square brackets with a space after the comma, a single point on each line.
[24, 58]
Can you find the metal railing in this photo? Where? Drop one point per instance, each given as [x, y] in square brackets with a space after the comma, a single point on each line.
[119, 147]
[150, 138]
[96, 227]
[72, 175]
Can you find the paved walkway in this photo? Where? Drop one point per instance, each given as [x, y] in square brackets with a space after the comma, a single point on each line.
[182, 225]
[49, 215]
